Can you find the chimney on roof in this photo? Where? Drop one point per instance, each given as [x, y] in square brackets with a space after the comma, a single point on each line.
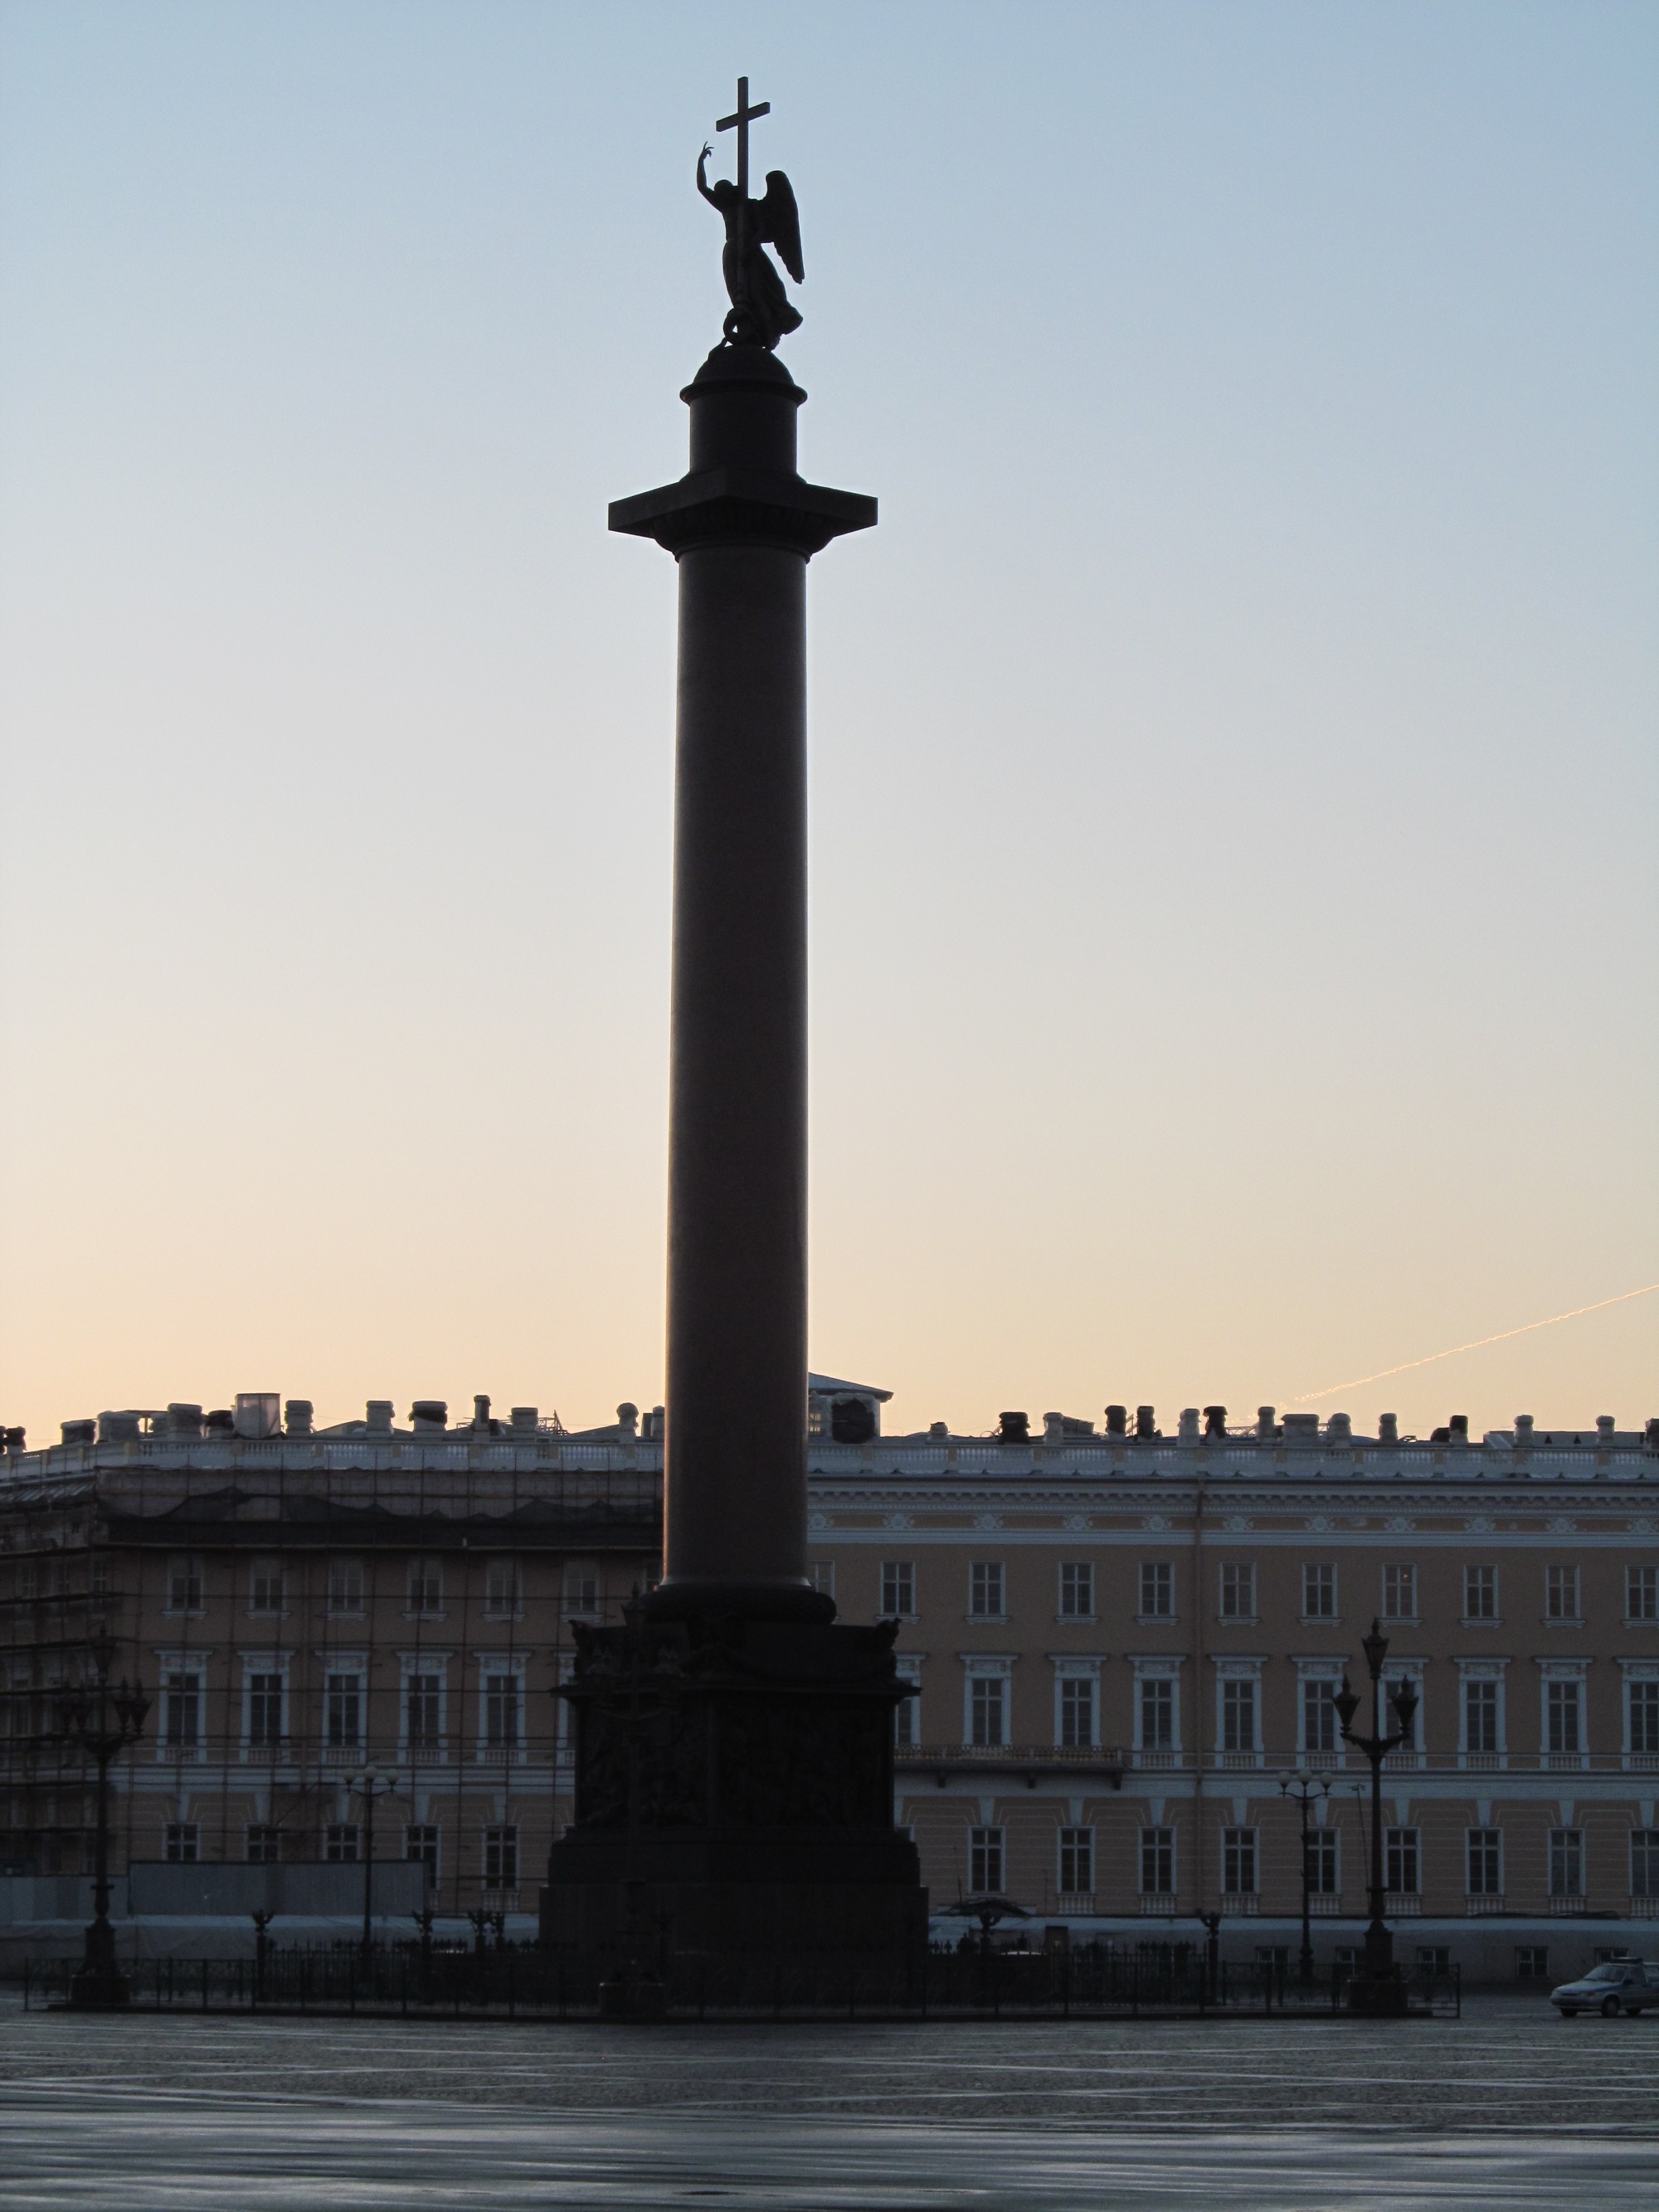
[118, 1428]
[184, 1421]
[429, 1417]
[524, 1420]
[1339, 1430]
[940, 1430]
[1264, 1424]
[257, 1412]
[1189, 1424]
[1014, 1428]
[1145, 1427]
[379, 1422]
[80, 1433]
[1387, 1428]
[1459, 1426]
[481, 1413]
[1523, 1428]
[1215, 1420]
[298, 1412]
[1117, 1420]
[1604, 1428]
[628, 1419]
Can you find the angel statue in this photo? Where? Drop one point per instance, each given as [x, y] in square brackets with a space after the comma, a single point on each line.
[760, 314]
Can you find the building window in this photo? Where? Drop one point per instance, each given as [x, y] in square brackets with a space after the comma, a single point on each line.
[1157, 1713]
[501, 1591]
[986, 1701]
[1238, 1862]
[904, 1724]
[1158, 1863]
[1399, 1593]
[1238, 1716]
[1563, 1715]
[98, 1574]
[1566, 1861]
[1077, 1713]
[1434, 1957]
[502, 1712]
[898, 1590]
[1157, 1589]
[1400, 1861]
[1486, 1862]
[1324, 1862]
[183, 1843]
[1482, 1733]
[343, 1715]
[1479, 1593]
[1642, 1697]
[501, 1858]
[1077, 1861]
[181, 1711]
[1238, 1591]
[985, 1590]
[426, 1586]
[1531, 1962]
[581, 1586]
[1392, 1678]
[985, 1861]
[1641, 1593]
[345, 1586]
[821, 1573]
[1318, 1717]
[264, 1845]
[265, 1589]
[421, 1845]
[265, 1711]
[1319, 1593]
[184, 1586]
[423, 1712]
[340, 1843]
[1077, 1589]
[1644, 1861]
[1561, 1593]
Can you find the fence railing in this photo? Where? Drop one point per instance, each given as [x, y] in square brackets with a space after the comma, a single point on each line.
[964, 1982]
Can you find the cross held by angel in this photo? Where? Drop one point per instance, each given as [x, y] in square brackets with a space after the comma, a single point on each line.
[761, 312]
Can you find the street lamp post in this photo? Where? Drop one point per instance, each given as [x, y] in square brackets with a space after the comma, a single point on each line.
[1306, 1790]
[1378, 1988]
[103, 1722]
[369, 1782]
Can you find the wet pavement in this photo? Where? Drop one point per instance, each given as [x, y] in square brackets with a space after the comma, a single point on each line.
[1508, 2106]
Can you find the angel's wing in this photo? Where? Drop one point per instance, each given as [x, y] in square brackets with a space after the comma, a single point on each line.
[780, 224]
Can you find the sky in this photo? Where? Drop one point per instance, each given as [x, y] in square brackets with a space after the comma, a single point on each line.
[1233, 765]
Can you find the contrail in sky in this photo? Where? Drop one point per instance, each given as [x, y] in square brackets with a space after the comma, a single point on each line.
[1383, 1373]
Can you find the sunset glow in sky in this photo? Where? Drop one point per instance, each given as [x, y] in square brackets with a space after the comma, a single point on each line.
[1233, 754]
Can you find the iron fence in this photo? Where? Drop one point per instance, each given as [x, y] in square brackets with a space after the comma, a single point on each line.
[509, 1982]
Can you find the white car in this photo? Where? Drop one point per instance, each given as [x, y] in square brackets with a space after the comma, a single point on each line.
[1621, 1985]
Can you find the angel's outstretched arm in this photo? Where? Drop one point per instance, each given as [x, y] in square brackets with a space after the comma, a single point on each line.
[702, 176]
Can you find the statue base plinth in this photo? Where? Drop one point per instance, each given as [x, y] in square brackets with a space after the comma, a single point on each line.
[734, 1800]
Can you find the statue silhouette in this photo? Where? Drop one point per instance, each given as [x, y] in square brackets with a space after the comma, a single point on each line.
[760, 314]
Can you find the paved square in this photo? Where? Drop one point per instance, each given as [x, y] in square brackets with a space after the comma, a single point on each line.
[197, 2114]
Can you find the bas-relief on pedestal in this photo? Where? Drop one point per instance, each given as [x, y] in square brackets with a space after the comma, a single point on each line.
[733, 1743]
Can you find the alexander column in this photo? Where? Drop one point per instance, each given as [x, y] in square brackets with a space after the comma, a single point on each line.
[734, 1772]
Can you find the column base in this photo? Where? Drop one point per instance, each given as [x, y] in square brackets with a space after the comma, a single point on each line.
[734, 1796]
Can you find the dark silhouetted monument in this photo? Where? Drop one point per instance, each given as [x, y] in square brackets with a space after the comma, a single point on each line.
[733, 1785]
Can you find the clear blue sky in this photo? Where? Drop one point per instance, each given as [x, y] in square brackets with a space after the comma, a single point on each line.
[1233, 754]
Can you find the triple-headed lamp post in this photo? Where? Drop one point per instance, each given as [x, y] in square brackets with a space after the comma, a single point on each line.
[369, 1782]
[1377, 1988]
[1305, 1789]
[102, 1722]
